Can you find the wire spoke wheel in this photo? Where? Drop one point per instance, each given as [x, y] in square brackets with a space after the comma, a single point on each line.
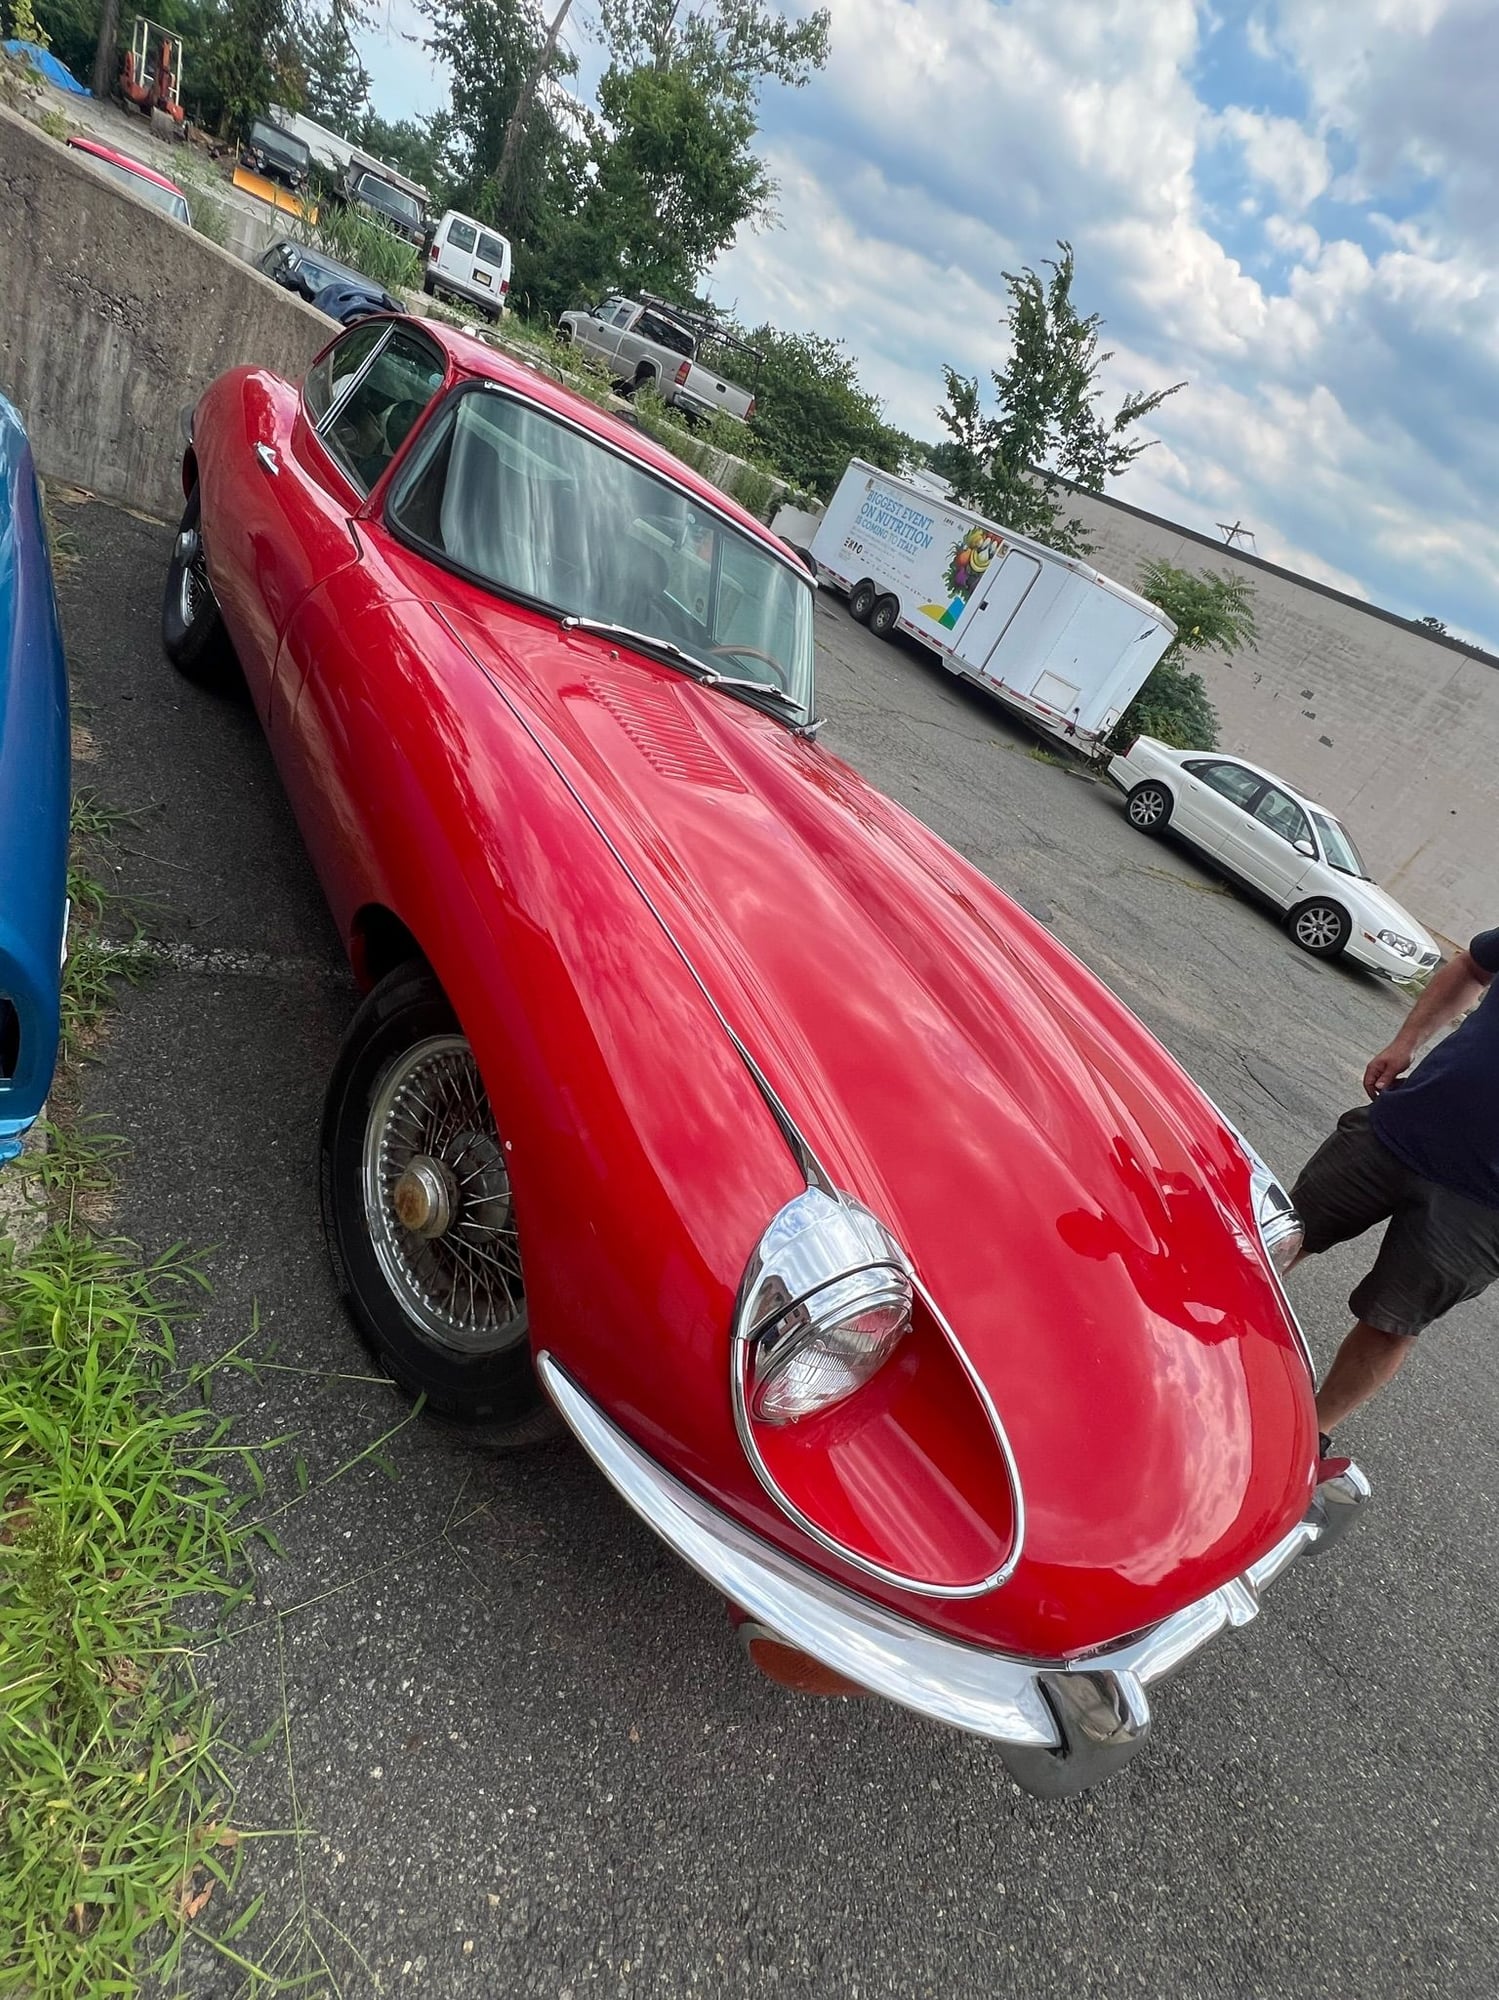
[194, 592]
[437, 1201]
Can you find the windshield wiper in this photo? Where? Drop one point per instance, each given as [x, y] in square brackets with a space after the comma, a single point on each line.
[699, 669]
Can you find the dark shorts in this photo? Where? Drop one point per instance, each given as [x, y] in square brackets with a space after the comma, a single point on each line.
[1439, 1249]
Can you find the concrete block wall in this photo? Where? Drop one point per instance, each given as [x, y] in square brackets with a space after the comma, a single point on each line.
[1392, 726]
[113, 318]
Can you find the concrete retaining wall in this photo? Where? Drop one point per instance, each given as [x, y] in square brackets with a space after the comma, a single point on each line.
[113, 317]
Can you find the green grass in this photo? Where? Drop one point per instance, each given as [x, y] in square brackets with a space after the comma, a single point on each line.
[118, 1521]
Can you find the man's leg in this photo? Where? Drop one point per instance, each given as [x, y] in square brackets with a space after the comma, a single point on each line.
[1368, 1359]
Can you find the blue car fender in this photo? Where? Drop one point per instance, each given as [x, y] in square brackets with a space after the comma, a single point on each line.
[35, 780]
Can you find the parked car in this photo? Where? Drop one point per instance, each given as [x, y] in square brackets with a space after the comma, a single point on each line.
[1290, 850]
[277, 155]
[880, 1258]
[468, 261]
[650, 346]
[136, 176]
[35, 786]
[387, 197]
[337, 289]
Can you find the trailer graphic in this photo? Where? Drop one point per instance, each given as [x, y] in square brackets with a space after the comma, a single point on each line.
[1064, 645]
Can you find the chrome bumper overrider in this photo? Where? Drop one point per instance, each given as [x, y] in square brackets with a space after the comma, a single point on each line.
[1062, 1725]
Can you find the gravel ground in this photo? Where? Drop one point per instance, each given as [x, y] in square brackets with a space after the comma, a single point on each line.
[512, 1738]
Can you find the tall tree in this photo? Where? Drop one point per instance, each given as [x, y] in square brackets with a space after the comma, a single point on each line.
[672, 173]
[336, 84]
[1046, 419]
[493, 48]
[254, 60]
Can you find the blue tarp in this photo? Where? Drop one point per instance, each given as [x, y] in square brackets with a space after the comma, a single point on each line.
[47, 63]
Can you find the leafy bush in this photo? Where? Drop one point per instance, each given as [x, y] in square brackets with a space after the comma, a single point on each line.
[383, 257]
[1212, 612]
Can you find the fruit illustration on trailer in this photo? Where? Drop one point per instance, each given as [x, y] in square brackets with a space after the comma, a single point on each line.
[970, 558]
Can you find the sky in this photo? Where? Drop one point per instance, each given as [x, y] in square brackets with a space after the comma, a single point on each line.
[1292, 204]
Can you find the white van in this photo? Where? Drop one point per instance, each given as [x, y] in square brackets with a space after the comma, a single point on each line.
[470, 261]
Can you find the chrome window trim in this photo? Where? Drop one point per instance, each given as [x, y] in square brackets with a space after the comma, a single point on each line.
[740, 1369]
[356, 382]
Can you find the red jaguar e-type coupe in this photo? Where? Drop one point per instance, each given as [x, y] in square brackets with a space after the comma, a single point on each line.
[879, 1257]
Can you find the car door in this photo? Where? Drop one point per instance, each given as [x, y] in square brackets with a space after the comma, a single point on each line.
[268, 493]
[1271, 845]
[455, 252]
[1212, 795]
[341, 452]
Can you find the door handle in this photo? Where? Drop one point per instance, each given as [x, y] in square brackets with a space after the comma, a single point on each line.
[268, 459]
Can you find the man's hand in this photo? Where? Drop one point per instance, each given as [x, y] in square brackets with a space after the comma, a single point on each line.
[1387, 1068]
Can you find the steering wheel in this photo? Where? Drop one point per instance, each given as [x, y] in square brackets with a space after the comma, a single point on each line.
[750, 653]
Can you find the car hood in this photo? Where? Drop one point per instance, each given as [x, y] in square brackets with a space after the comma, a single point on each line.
[1379, 910]
[1077, 1208]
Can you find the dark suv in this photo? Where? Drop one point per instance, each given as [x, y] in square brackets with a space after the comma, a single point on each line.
[266, 149]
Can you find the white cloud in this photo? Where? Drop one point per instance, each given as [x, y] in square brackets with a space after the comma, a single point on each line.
[1281, 154]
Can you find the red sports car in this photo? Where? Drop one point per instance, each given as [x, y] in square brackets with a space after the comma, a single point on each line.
[880, 1258]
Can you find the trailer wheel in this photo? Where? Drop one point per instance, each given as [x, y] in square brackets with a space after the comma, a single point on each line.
[861, 599]
[884, 617]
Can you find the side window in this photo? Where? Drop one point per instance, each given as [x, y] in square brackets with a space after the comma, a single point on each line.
[1283, 816]
[462, 235]
[370, 428]
[344, 358]
[1232, 780]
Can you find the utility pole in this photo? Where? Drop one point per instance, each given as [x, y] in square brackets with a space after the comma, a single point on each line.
[515, 130]
[102, 79]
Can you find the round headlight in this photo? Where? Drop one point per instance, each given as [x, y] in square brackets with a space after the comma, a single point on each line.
[829, 1345]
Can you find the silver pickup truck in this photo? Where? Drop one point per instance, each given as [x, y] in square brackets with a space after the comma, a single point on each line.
[647, 346]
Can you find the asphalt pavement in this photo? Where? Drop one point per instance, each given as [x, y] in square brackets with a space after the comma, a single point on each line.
[509, 1743]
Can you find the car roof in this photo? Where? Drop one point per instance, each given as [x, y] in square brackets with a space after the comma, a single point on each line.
[118, 159]
[473, 357]
[1270, 777]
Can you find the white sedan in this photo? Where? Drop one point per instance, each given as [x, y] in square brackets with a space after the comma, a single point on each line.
[1290, 850]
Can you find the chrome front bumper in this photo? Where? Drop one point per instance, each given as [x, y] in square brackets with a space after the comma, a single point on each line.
[1062, 1725]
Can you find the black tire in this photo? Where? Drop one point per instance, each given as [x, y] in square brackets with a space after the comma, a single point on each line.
[428, 287]
[862, 599]
[1149, 807]
[564, 333]
[192, 628]
[404, 1286]
[1319, 926]
[884, 616]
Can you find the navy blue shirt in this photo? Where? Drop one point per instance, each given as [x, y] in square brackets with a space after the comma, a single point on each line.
[1443, 1119]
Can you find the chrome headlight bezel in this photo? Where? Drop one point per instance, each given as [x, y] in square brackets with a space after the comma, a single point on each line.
[821, 1265]
[1400, 944]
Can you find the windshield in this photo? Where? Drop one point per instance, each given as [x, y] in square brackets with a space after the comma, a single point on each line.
[525, 502]
[269, 140]
[380, 194]
[160, 197]
[1337, 845]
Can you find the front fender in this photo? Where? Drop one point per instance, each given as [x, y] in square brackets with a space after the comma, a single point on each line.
[34, 792]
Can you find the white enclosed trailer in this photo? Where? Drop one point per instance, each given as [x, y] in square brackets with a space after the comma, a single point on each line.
[1065, 646]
